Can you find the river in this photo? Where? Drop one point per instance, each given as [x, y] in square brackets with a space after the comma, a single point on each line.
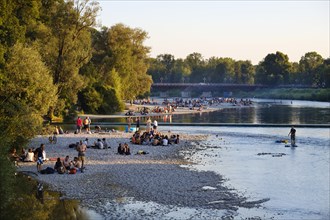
[263, 111]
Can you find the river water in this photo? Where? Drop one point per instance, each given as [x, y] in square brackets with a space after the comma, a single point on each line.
[263, 111]
[295, 181]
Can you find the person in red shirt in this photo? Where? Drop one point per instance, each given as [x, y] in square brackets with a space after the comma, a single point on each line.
[79, 125]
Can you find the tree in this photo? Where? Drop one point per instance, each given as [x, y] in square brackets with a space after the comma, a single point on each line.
[196, 64]
[117, 69]
[155, 70]
[65, 43]
[167, 61]
[128, 56]
[244, 72]
[325, 73]
[194, 61]
[26, 93]
[181, 71]
[28, 79]
[223, 71]
[274, 69]
[310, 68]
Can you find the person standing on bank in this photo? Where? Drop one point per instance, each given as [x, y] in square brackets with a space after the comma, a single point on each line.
[81, 154]
[79, 124]
[39, 152]
[137, 124]
[148, 125]
[129, 123]
[293, 136]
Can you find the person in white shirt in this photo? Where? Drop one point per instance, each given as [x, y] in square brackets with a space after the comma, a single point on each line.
[155, 125]
[105, 144]
[29, 156]
[165, 141]
[99, 144]
[85, 142]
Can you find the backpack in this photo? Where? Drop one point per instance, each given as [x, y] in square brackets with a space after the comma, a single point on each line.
[48, 170]
[60, 170]
[72, 145]
[73, 171]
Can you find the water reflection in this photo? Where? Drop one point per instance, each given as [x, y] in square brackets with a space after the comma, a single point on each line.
[40, 192]
[262, 112]
[36, 201]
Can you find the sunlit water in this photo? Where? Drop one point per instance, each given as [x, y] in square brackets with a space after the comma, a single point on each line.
[297, 183]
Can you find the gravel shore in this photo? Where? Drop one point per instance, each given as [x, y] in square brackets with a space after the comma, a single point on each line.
[154, 177]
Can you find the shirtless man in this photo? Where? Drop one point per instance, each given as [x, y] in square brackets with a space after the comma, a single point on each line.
[81, 154]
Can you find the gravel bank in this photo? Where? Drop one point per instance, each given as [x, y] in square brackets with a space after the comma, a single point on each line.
[154, 177]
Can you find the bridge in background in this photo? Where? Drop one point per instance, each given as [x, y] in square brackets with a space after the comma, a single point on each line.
[205, 86]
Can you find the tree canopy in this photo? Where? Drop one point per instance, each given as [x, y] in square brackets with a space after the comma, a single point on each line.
[275, 69]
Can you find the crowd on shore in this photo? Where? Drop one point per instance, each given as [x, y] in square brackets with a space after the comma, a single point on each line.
[151, 136]
[167, 106]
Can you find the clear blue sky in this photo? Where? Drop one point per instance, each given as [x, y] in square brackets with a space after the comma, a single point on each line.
[242, 30]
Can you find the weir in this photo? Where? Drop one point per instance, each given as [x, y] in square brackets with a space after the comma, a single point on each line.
[211, 124]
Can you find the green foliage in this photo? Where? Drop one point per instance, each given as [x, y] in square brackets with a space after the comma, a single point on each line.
[274, 69]
[310, 67]
[27, 79]
[117, 70]
[65, 43]
[26, 93]
[7, 178]
[325, 74]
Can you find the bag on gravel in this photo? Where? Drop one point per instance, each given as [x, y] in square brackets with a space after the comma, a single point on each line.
[48, 170]
[73, 171]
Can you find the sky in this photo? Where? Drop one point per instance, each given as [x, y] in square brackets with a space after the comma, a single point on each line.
[242, 30]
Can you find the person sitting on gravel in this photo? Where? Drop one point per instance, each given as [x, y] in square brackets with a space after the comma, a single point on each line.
[97, 129]
[145, 139]
[120, 149]
[29, 156]
[67, 162]
[165, 141]
[98, 144]
[127, 150]
[14, 156]
[59, 166]
[136, 139]
[76, 163]
[177, 140]
[156, 140]
[172, 139]
[105, 144]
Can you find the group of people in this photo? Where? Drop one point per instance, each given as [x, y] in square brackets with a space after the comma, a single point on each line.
[25, 156]
[83, 124]
[154, 138]
[98, 144]
[67, 165]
